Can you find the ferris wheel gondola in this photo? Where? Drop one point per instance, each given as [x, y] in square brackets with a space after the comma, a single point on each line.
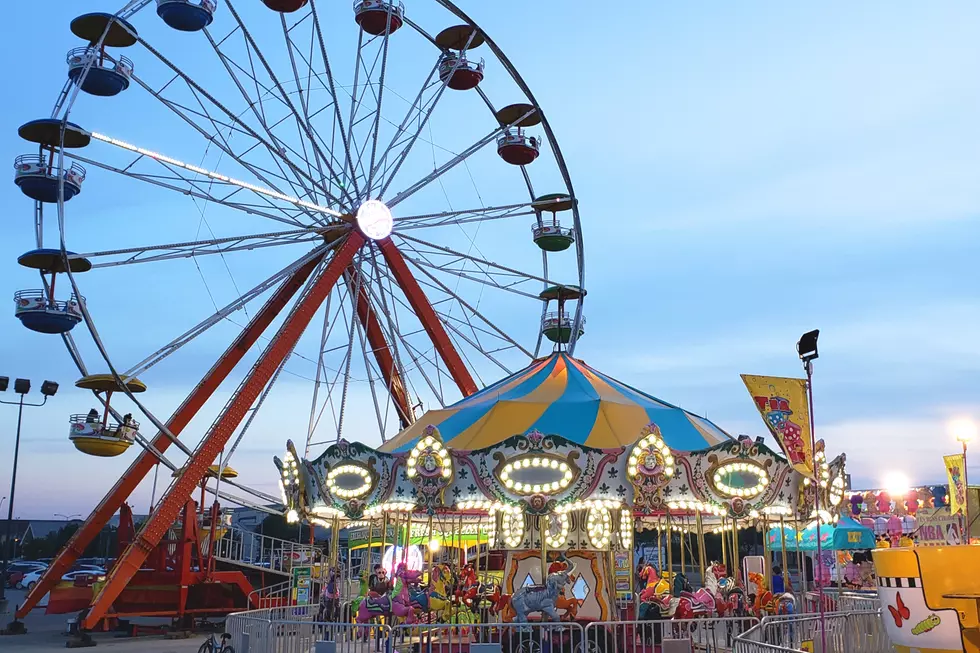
[397, 209]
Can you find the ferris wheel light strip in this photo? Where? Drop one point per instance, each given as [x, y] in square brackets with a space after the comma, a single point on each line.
[215, 175]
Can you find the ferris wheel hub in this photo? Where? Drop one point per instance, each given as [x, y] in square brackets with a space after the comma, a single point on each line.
[374, 220]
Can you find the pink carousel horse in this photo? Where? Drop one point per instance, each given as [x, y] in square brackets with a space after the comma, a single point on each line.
[399, 607]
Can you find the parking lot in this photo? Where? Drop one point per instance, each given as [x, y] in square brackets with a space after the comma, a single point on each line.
[48, 633]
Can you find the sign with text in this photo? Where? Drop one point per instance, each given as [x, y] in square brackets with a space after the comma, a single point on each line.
[939, 527]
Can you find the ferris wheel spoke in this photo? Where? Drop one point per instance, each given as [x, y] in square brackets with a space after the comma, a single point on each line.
[425, 118]
[380, 100]
[231, 116]
[187, 249]
[512, 272]
[455, 161]
[466, 216]
[382, 353]
[467, 306]
[222, 314]
[332, 88]
[305, 127]
[256, 107]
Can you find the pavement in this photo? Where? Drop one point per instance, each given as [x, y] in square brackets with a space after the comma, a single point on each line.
[47, 633]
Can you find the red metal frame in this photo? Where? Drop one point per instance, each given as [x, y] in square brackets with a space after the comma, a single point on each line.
[181, 489]
[427, 315]
[379, 346]
[128, 482]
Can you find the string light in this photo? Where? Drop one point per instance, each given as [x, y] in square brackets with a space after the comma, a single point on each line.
[513, 529]
[390, 506]
[216, 176]
[599, 526]
[777, 510]
[625, 529]
[746, 493]
[349, 470]
[698, 506]
[587, 504]
[557, 541]
[558, 466]
[475, 504]
[837, 491]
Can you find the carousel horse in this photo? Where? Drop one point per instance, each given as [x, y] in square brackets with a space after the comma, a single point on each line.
[397, 607]
[713, 587]
[329, 609]
[437, 598]
[764, 602]
[651, 579]
[786, 604]
[468, 588]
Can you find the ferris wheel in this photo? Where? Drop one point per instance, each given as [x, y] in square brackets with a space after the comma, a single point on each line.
[389, 174]
[359, 169]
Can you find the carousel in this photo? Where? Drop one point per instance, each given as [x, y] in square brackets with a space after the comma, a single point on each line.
[524, 501]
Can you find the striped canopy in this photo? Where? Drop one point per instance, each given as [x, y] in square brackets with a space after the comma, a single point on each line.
[559, 395]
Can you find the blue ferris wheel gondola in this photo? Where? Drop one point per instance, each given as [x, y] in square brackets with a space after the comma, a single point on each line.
[186, 15]
[106, 76]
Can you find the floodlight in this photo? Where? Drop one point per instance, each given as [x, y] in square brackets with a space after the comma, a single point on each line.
[4, 382]
[22, 386]
[49, 388]
[807, 346]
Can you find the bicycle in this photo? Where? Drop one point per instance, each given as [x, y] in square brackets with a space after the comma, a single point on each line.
[212, 645]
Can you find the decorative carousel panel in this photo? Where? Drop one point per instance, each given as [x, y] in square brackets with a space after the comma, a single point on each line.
[598, 522]
[512, 528]
[295, 484]
[650, 467]
[742, 478]
[542, 472]
[430, 469]
[350, 478]
[837, 483]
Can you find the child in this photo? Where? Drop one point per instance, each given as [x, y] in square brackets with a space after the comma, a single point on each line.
[778, 586]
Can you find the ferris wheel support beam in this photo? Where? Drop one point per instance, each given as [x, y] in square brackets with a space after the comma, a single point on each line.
[379, 347]
[221, 431]
[144, 463]
[427, 316]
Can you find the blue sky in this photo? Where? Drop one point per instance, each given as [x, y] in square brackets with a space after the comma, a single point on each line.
[745, 173]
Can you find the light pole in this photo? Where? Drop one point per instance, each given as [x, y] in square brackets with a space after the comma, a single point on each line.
[965, 430]
[21, 387]
[806, 347]
[67, 517]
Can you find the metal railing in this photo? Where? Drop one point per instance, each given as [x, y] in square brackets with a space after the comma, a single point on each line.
[397, 9]
[710, 634]
[35, 164]
[37, 300]
[243, 547]
[844, 632]
[79, 57]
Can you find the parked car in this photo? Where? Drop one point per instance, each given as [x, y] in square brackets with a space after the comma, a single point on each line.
[30, 580]
[15, 571]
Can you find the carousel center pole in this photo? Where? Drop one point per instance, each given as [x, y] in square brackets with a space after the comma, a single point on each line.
[724, 548]
[680, 532]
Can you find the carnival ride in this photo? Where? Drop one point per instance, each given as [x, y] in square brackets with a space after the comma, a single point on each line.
[394, 176]
[555, 510]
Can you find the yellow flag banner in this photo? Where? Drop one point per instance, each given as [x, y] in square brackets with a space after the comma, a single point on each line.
[955, 465]
[783, 405]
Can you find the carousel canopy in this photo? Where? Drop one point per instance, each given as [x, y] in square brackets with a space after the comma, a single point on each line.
[563, 396]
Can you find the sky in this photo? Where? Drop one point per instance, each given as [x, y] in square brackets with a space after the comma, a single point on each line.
[745, 172]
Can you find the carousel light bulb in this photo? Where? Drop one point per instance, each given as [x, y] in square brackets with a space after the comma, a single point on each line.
[553, 464]
[434, 544]
[535, 462]
[446, 472]
[292, 516]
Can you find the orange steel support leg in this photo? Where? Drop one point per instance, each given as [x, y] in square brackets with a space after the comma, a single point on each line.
[231, 417]
[427, 315]
[144, 463]
[379, 345]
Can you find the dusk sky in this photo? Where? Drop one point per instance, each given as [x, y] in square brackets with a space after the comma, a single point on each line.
[745, 172]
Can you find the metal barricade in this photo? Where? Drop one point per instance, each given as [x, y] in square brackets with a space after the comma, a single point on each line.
[248, 630]
[302, 637]
[844, 632]
[541, 637]
[709, 634]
